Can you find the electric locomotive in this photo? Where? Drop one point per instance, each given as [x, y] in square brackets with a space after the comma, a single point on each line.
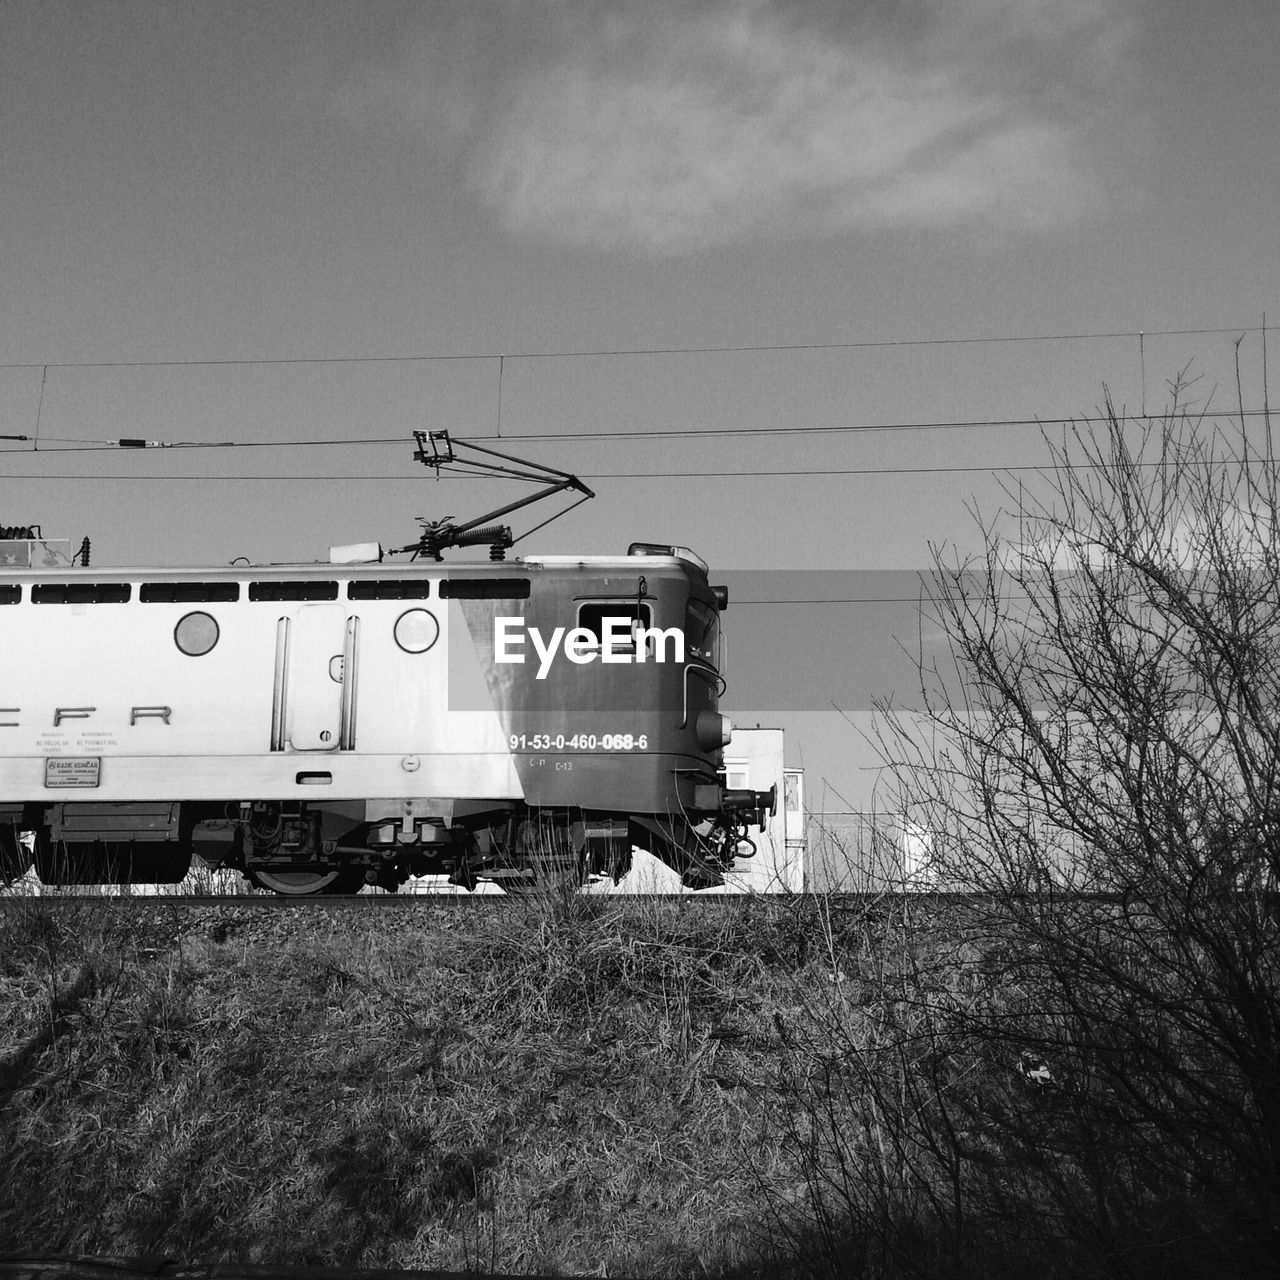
[323, 727]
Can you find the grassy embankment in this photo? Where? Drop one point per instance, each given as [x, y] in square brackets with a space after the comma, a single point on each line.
[520, 1086]
[744, 1087]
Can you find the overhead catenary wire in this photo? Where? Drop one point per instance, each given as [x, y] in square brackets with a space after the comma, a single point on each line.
[81, 445]
[762, 473]
[77, 445]
[500, 358]
[618, 352]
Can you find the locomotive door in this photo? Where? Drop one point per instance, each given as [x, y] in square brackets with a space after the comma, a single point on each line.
[314, 698]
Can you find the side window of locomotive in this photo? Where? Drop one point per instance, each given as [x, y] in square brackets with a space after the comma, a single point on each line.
[701, 689]
[702, 631]
[592, 615]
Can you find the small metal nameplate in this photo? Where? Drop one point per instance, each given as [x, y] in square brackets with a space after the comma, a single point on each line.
[72, 771]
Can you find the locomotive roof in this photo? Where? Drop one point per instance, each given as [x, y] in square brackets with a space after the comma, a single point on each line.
[606, 564]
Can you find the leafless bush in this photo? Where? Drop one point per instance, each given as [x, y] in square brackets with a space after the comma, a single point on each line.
[1099, 767]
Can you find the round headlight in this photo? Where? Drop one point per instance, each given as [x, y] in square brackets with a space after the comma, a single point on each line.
[416, 630]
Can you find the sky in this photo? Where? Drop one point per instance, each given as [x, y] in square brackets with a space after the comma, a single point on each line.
[753, 270]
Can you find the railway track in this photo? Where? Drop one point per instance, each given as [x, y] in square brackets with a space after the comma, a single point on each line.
[495, 901]
[364, 902]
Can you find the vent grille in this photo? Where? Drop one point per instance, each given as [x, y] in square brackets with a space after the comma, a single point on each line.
[484, 588]
[390, 589]
[304, 589]
[81, 592]
[188, 592]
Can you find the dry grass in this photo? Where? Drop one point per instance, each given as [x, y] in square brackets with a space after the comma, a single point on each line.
[557, 1085]
[560, 1085]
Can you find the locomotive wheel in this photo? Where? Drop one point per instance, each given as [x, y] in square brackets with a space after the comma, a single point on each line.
[300, 884]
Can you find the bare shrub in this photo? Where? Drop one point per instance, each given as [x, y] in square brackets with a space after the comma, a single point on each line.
[1099, 768]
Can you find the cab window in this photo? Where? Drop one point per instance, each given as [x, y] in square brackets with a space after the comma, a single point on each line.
[592, 615]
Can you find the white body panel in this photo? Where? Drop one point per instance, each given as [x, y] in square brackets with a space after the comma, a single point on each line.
[295, 700]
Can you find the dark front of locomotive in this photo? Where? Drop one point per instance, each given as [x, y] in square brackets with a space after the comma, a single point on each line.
[618, 720]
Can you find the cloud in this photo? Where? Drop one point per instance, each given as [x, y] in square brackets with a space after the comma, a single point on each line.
[667, 128]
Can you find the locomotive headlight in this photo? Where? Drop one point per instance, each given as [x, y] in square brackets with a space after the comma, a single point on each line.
[712, 730]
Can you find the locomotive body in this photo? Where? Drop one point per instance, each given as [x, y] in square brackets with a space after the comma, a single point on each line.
[325, 726]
